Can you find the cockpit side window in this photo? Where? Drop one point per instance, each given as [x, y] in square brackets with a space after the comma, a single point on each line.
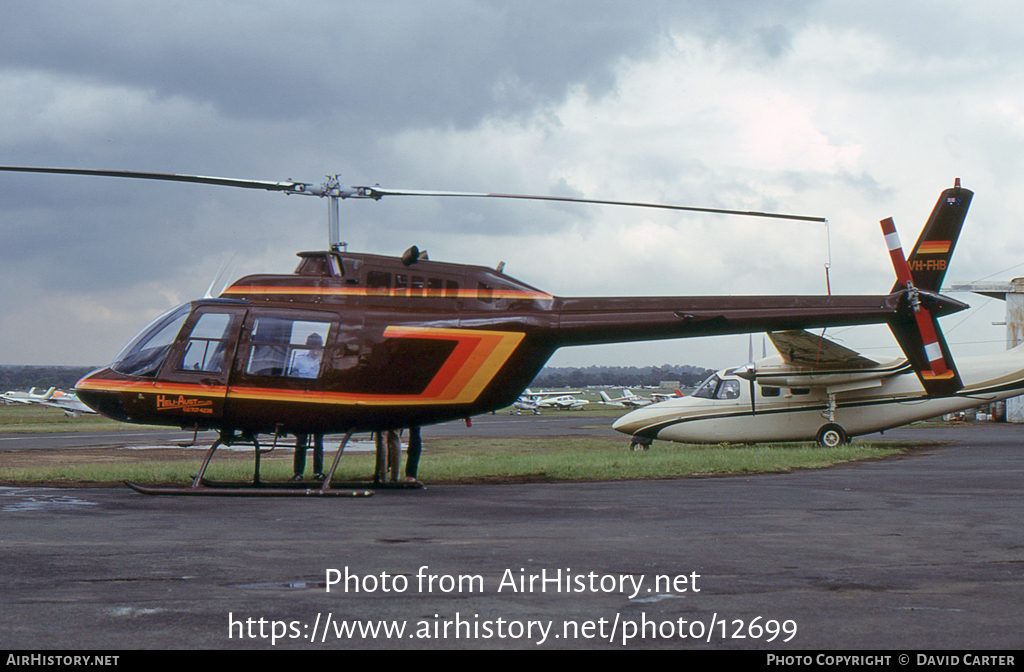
[729, 389]
[144, 355]
[706, 390]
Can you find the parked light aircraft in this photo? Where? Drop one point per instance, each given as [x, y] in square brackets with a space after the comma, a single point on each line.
[817, 389]
[541, 394]
[54, 398]
[565, 402]
[627, 400]
[524, 403]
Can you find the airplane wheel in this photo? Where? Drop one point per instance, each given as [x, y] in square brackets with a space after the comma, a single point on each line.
[640, 443]
[831, 435]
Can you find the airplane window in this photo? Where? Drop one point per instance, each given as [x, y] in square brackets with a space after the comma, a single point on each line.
[770, 391]
[729, 389]
[146, 352]
[207, 343]
[285, 347]
[707, 388]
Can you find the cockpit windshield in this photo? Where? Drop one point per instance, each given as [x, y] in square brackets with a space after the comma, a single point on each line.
[147, 351]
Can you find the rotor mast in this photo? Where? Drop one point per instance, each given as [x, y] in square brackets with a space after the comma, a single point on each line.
[333, 217]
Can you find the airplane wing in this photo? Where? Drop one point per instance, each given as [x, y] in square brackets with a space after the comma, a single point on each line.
[67, 405]
[544, 395]
[804, 349]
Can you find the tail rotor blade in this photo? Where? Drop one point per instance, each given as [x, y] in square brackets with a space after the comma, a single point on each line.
[899, 261]
[932, 367]
[932, 349]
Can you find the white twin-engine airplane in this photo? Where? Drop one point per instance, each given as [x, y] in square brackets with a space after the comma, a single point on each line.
[54, 398]
[818, 389]
[565, 402]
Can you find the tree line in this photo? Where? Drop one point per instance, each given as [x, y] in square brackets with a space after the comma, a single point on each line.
[619, 376]
[42, 377]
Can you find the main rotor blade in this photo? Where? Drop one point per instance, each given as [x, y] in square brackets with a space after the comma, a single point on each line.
[291, 187]
[378, 192]
[333, 189]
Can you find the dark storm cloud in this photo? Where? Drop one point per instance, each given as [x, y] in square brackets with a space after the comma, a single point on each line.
[294, 90]
[377, 66]
[292, 87]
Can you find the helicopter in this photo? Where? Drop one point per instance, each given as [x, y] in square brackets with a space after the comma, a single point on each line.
[354, 342]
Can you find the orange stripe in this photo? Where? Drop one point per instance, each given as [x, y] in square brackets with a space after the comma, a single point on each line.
[260, 290]
[455, 362]
[151, 386]
[934, 247]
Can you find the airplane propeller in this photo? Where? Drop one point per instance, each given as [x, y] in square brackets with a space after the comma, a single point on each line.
[923, 317]
[749, 372]
[335, 191]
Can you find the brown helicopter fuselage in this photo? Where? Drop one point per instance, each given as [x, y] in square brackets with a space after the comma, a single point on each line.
[398, 345]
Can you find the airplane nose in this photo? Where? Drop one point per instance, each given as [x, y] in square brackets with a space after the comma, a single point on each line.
[647, 421]
[631, 422]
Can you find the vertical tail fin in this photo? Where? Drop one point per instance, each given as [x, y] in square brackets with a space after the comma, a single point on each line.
[919, 277]
[930, 257]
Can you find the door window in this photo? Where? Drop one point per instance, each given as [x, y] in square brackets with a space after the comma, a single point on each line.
[286, 347]
[207, 343]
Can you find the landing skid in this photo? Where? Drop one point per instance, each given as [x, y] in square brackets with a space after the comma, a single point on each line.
[202, 486]
[315, 485]
[246, 490]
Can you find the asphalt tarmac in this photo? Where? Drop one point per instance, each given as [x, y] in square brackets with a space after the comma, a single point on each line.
[566, 423]
[920, 552]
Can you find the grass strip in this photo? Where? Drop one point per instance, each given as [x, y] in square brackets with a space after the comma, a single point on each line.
[478, 461]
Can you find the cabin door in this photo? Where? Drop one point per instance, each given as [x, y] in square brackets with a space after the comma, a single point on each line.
[194, 381]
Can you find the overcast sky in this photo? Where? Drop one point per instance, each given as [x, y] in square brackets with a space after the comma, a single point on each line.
[851, 111]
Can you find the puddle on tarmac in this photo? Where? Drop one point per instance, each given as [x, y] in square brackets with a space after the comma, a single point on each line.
[15, 500]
